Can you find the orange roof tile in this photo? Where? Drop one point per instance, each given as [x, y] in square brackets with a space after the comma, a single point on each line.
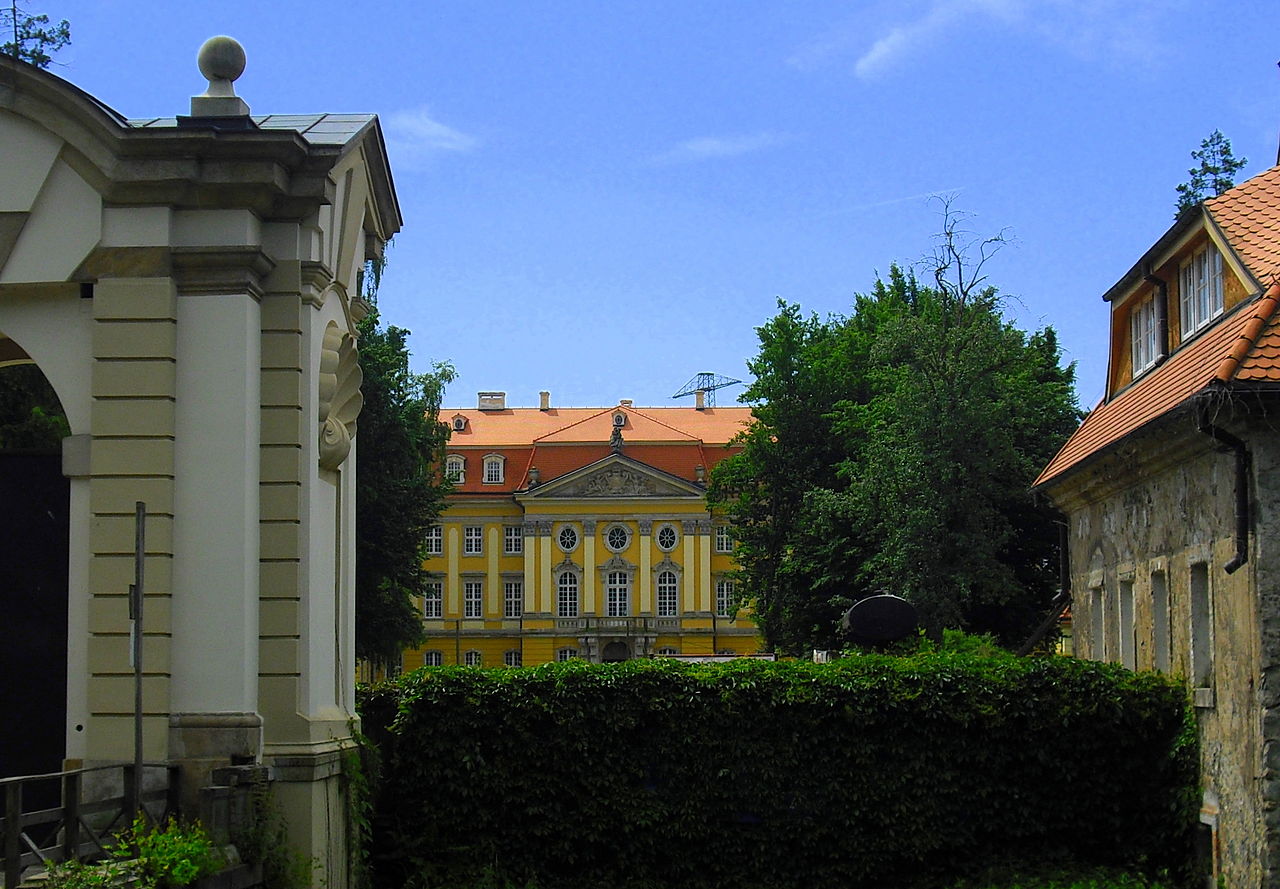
[1244, 346]
[1249, 216]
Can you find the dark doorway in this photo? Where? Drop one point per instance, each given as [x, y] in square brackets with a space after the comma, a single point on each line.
[34, 509]
[614, 652]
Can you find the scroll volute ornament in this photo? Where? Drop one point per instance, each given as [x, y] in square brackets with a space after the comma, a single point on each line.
[340, 398]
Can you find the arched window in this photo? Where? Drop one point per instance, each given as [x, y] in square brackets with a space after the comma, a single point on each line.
[493, 469]
[567, 595]
[618, 594]
[455, 468]
[473, 658]
[432, 658]
[668, 594]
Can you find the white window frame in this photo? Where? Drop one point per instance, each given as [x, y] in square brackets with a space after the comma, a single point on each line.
[433, 600]
[473, 540]
[512, 540]
[566, 654]
[513, 657]
[433, 658]
[618, 594]
[667, 651]
[512, 598]
[568, 595]
[494, 469]
[668, 594]
[724, 539]
[573, 535]
[1200, 289]
[434, 543]
[726, 591]
[609, 531]
[473, 600]
[1142, 335]
[666, 528]
[455, 468]
[473, 658]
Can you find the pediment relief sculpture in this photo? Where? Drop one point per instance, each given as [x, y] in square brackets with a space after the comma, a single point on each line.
[340, 398]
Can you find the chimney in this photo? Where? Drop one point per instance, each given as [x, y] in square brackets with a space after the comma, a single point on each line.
[544, 400]
[492, 401]
[624, 402]
[700, 399]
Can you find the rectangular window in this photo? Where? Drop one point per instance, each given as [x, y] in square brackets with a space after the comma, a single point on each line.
[1142, 328]
[513, 658]
[513, 540]
[433, 600]
[1128, 642]
[473, 540]
[473, 659]
[1200, 290]
[724, 539]
[668, 594]
[1097, 625]
[473, 599]
[618, 595]
[492, 470]
[1201, 627]
[566, 654]
[1160, 621]
[433, 659]
[725, 595]
[513, 598]
[567, 594]
[435, 541]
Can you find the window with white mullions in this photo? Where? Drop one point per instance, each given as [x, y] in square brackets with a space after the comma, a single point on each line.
[473, 540]
[618, 594]
[668, 594]
[725, 595]
[512, 540]
[567, 594]
[473, 599]
[433, 600]
[1200, 286]
[513, 598]
[1142, 330]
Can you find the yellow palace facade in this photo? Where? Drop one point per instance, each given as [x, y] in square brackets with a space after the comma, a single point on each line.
[581, 533]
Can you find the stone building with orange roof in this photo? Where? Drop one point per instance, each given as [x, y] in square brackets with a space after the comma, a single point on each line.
[1171, 487]
[582, 532]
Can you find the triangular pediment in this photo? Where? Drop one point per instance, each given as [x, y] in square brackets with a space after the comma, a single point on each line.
[613, 477]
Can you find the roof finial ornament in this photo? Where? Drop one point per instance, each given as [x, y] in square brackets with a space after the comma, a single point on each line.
[221, 60]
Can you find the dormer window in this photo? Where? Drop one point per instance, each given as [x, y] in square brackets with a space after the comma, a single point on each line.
[493, 473]
[455, 469]
[1142, 329]
[1200, 289]
[459, 423]
[619, 419]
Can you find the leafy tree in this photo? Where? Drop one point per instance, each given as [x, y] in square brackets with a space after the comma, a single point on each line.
[32, 38]
[30, 414]
[1216, 172]
[399, 492]
[892, 451]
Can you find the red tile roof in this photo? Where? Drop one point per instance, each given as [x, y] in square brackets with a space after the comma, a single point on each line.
[1244, 346]
[1249, 217]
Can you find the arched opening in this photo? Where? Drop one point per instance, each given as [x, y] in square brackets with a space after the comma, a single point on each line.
[614, 652]
[34, 525]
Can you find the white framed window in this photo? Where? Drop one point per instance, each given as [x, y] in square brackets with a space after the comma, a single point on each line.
[435, 541]
[433, 600]
[493, 469]
[473, 599]
[473, 540]
[1142, 332]
[513, 658]
[667, 537]
[473, 658]
[617, 594]
[668, 594]
[567, 594]
[513, 598]
[512, 540]
[1200, 289]
[432, 658]
[725, 595]
[667, 651]
[566, 654]
[568, 538]
[617, 537]
[455, 468]
[724, 539]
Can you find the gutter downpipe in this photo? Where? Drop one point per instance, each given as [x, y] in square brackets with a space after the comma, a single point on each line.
[1243, 518]
[1060, 601]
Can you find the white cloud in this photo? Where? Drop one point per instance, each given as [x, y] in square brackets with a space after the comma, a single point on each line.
[414, 136]
[712, 147]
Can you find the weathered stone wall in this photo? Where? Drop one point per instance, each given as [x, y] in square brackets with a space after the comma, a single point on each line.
[1149, 514]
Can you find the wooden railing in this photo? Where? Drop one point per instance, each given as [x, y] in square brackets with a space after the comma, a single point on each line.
[77, 828]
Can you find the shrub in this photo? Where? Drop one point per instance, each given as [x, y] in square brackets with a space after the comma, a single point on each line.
[873, 771]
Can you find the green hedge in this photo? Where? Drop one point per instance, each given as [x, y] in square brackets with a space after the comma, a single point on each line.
[875, 771]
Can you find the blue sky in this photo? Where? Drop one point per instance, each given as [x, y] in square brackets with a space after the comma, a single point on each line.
[604, 198]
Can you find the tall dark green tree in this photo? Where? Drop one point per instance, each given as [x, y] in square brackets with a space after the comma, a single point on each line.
[1215, 173]
[399, 489]
[893, 451]
[31, 38]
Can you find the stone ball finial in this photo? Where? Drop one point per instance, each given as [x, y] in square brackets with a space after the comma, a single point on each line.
[221, 58]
